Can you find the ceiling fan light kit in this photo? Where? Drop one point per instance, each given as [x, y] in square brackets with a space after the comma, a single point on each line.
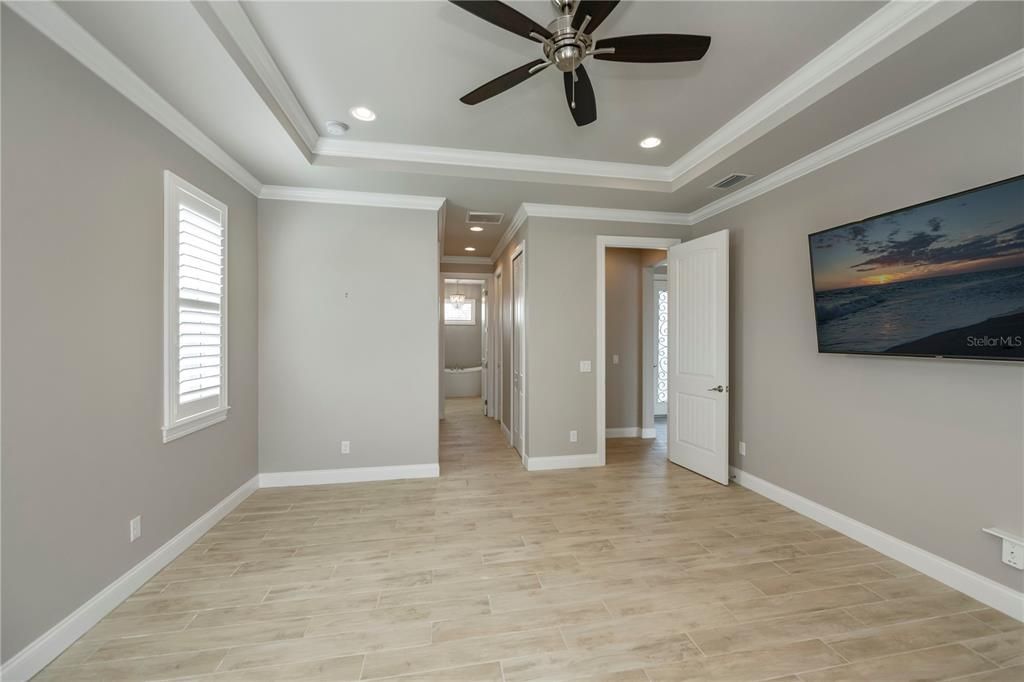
[567, 42]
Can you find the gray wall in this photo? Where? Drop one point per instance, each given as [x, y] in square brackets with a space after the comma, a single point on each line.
[561, 328]
[462, 341]
[348, 348]
[930, 451]
[624, 316]
[83, 333]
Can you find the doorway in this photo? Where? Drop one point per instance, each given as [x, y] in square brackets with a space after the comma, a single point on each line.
[466, 340]
[697, 342]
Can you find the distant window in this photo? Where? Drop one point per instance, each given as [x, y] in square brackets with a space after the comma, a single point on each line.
[460, 313]
[195, 352]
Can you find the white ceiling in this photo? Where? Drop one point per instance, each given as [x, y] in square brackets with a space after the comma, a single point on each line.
[411, 61]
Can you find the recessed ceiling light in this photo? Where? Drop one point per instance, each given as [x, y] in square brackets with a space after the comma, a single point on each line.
[470, 248]
[650, 142]
[362, 113]
[476, 228]
[336, 128]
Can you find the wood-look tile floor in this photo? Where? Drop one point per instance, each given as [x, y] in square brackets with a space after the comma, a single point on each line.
[636, 571]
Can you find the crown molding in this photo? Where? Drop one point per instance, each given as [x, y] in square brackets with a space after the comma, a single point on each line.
[518, 219]
[232, 27]
[985, 80]
[467, 260]
[54, 23]
[349, 198]
[618, 215]
[893, 26]
[411, 158]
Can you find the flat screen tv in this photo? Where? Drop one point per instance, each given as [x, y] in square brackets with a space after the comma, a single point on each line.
[941, 279]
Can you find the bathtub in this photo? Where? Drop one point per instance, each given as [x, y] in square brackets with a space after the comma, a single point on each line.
[463, 382]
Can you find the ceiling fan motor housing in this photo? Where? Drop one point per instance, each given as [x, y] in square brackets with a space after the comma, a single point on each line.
[567, 47]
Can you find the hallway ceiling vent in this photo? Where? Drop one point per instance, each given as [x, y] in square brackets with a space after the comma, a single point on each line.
[481, 218]
[730, 181]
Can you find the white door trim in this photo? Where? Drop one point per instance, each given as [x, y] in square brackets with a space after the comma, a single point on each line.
[605, 242]
[520, 251]
[499, 348]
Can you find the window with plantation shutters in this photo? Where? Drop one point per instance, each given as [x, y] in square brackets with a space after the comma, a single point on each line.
[195, 307]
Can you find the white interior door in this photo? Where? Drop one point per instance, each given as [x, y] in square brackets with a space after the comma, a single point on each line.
[483, 318]
[518, 355]
[499, 350]
[698, 356]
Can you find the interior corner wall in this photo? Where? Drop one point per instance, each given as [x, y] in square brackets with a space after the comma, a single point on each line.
[562, 258]
[348, 336]
[83, 250]
[927, 450]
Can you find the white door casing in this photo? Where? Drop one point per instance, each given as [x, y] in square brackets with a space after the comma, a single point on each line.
[518, 354]
[698, 359]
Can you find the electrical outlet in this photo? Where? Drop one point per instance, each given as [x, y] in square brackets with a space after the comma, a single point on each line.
[1013, 554]
[615, 358]
[574, 436]
[743, 449]
[346, 447]
[134, 529]
[584, 365]
[1013, 547]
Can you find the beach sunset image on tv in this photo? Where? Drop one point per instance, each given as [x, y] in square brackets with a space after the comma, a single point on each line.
[942, 278]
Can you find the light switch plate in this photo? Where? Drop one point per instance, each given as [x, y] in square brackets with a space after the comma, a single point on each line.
[584, 365]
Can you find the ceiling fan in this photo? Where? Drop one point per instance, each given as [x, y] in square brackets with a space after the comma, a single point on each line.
[567, 42]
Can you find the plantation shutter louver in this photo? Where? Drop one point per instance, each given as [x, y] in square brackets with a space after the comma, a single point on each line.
[196, 351]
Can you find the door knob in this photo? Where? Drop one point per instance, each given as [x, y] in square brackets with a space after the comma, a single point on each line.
[719, 388]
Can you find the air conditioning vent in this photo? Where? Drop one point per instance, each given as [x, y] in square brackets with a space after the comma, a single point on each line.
[730, 181]
[481, 218]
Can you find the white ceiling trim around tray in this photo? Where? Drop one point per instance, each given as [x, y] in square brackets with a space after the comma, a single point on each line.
[236, 34]
[893, 26]
[467, 260]
[997, 74]
[54, 23]
[346, 197]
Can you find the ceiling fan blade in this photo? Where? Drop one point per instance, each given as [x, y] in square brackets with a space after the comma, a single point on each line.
[585, 111]
[597, 10]
[654, 48]
[503, 82]
[503, 16]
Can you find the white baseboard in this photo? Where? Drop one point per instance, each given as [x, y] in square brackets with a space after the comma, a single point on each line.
[985, 590]
[54, 641]
[280, 479]
[623, 432]
[562, 462]
[649, 433]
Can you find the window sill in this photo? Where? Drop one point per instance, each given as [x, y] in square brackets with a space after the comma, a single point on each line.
[195, 423]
